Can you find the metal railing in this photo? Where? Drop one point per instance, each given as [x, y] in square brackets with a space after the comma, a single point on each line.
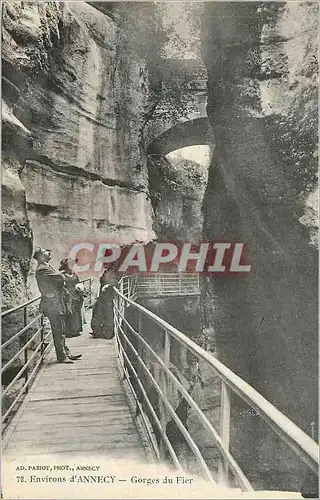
[168, 285]
[28, 338]
[305, 448]
[128, 286]
[37, 341]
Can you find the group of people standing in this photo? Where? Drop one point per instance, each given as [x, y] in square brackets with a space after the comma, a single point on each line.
[62, 297]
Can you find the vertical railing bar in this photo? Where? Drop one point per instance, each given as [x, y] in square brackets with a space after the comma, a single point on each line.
[313, 434]
[223, 466]
[166, 357]
[233, 465]
[26, 338]
[115, 298]
[157, 421]
[42, 337]
[164, 384]
[172, 412]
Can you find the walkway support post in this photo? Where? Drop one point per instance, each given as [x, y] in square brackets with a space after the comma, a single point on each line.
[223, 468]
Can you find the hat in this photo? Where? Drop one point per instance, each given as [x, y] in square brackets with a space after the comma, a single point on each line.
[39, 251]
[63, 264]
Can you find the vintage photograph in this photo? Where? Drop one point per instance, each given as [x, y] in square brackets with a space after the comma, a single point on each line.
[159, 326]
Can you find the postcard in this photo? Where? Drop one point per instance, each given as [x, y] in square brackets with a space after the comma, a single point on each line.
[159, 249]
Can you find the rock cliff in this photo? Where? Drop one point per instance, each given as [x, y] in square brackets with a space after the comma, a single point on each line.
[77, 88]
[262, 107]
[176, 189]
[80, 85]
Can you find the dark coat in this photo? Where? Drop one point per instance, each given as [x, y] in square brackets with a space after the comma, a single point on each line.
[74, 305]
[51, 284]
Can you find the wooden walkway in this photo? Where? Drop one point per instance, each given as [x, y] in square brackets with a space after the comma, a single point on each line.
[77, 413]
[78, 409]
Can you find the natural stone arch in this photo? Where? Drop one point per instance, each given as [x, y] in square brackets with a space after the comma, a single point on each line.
[189, 133]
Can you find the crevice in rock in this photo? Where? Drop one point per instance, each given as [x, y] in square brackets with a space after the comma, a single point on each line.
[73, 171]
[42, 208]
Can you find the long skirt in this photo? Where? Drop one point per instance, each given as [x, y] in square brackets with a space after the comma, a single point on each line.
[102, 315]
[74, 319]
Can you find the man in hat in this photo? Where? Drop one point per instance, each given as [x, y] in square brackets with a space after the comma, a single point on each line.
[51, 284]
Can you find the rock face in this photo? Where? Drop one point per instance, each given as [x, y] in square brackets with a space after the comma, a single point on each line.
[262, 107]
[75, 98]
[16, 231]
[176, 189]
[78, 88]
[74, 83]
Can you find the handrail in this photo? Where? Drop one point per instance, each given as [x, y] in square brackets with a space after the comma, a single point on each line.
[17, 308]
[40, 350]
[147, 400]
[23, 369]
[4, 368]
[26, 384]
[168, 285]
[42, 346]
[29, 302]
[171, 410]
[147, 274]
[20, 332]
[302, 445]
[244, 482]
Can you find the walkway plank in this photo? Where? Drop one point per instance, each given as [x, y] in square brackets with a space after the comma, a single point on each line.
[78, 408]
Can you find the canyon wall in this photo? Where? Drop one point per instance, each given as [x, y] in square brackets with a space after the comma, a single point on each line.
[262, 107]
[177, 187]
[75, 84]
[176, 190]
[78, 90]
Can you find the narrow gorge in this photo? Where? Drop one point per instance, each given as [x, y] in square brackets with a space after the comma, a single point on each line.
[121, 126]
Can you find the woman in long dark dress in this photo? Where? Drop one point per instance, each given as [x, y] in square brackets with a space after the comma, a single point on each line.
[102, 314]
[74, 301]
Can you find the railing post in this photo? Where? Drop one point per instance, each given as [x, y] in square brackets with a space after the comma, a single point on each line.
[26, 337]
[42, 337]
[116, 300]
[121, 303]
[223, 468]
[90, 293]
[114, 303]
[164, 384]
[313, 434]
[139, 322]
